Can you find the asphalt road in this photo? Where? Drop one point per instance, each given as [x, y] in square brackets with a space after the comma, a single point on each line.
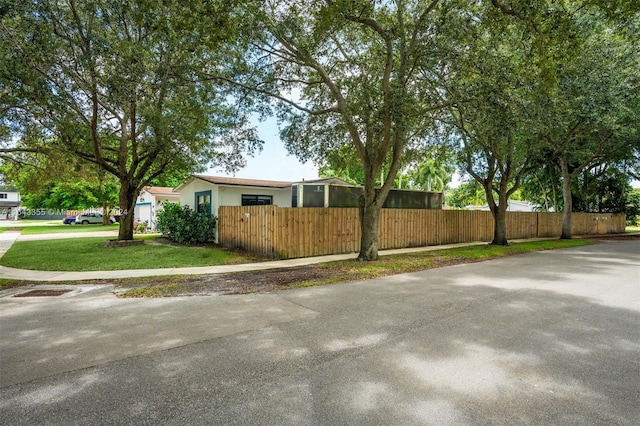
[544, 338]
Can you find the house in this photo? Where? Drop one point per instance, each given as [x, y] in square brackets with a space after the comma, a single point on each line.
[9, 202]
[512, 206]
[205, 194]
[149, 203]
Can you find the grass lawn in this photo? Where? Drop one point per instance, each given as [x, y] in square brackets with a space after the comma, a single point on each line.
[90, 254]
[10, 223]
[61, 229]
[329, 273]
[352, 270]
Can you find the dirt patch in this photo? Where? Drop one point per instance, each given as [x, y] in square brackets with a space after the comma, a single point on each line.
[262, 281]
[234, 283]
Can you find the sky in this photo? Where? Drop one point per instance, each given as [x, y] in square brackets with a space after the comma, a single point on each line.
[273, 162]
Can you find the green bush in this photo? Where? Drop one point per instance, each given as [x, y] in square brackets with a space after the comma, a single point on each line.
[185, 226]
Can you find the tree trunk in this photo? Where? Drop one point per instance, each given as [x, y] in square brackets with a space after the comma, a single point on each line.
[369, 226]
[127, 199]
[566, 196]
[500, 222]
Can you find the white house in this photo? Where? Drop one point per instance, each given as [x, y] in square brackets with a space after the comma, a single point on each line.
[149, 203]
[205, 194]
[9, 202]
[512, 206]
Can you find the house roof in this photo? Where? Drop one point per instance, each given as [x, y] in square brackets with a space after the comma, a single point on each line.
[160, 190]
[220, 180]
[331, 181]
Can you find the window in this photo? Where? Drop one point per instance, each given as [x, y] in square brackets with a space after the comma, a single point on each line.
[203, 202]
[257, 200]
[3, 196]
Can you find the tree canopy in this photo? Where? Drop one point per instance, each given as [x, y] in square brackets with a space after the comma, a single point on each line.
[587, 110]
[537, 91]
[348, 73]
[114, 83]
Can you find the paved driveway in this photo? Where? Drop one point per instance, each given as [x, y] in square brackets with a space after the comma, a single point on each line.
[543, 338]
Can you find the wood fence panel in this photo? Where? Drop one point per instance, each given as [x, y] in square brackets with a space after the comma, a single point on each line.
[300, 232]
[597, 223]
[489, 225]
[549, 224]
[250, 228]
[401, 228]
[317, 231]
[522, 225]
[449, 220]
[616, 224]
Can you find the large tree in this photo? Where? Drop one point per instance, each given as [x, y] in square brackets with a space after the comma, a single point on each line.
[490, 78]
[585, 108]
[348, 73]
[113, 83]
[591, 116]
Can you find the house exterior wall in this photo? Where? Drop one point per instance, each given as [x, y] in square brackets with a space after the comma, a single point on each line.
[9, 203]
[227, 195]
[148, 205]
[188, 194]
[232, 195]
[512, 206]
[144, 209]
[12, 196]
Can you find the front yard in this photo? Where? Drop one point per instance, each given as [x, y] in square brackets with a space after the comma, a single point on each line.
[323, 273]
[90, 254]
[268, 280]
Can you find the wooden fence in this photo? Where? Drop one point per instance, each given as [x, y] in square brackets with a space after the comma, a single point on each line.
[285, 232]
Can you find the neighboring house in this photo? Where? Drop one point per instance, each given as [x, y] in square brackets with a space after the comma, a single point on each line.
[205, 194]
[513, 206]
[9, 202]
[149, 203]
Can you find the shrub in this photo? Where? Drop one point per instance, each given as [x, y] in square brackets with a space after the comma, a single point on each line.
[185, 226]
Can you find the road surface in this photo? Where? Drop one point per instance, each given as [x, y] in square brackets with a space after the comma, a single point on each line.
[544, 338]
